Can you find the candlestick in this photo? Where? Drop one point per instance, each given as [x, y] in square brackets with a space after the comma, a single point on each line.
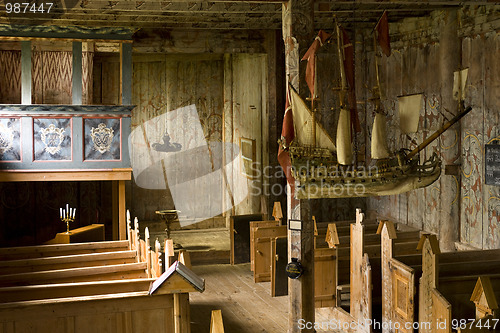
[67, 216]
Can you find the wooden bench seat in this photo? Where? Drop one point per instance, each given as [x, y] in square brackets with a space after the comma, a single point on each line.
[69, 261]
[98, 273]
[26, 252]
[63, 290]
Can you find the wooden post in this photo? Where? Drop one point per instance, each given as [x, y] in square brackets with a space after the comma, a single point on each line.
[387, 233]
[429, 246]
[297, 38]
[119, 210]
[76, 89]
[169, 252]
[449, 56]
[26, 72]
[126, 73]
[216, 324]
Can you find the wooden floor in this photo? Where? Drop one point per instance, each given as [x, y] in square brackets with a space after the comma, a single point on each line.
[246, 306]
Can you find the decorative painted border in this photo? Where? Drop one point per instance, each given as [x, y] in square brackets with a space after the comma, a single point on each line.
[75, 110]
[52, 31]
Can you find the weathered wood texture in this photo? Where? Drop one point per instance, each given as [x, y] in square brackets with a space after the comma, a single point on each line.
[412, 68]
[325, 277]
[361, 276]
[162, 83]
[51, 75]
[263, 251]
[239, 233]
[253, 226]
[136, 312]
[279, 260]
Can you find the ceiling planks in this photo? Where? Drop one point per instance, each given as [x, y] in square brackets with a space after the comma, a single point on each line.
[219, 14]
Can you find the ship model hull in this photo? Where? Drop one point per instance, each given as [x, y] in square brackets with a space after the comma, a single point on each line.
[320, 178]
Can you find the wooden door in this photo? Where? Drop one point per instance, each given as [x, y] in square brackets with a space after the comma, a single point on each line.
[403, 296]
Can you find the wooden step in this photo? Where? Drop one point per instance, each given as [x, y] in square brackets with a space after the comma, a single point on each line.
[38, 251]
[110, 272]
[69, 261]
[63, 290]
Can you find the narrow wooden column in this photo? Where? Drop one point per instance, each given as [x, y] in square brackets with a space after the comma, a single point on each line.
[119, 211]
[126, 73]
[298, 32]
[76, 89]
[449, 56]
[26, 72]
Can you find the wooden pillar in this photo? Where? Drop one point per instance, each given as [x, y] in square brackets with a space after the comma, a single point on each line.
[126, 73]
[119, 210]
[449, 56]
[76, 89]
[26, 72]
[298, 32]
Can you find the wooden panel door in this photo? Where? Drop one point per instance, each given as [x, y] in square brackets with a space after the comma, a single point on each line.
[262, 245]
[403, 296]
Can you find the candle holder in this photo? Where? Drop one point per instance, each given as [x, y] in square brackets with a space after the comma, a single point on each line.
[67, 215]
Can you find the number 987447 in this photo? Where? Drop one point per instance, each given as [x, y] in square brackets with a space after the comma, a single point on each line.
[27, 7]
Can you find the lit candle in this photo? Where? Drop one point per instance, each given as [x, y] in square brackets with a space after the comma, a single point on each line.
[74, 211]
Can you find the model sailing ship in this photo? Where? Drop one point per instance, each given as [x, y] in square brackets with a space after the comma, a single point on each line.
[322, 169]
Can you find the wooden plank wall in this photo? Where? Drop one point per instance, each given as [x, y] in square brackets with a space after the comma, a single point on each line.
[164, 82]
[412, 68]
[51, 73]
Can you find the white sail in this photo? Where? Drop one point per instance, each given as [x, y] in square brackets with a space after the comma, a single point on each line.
[409, 112]
[459, 79]
[344, 149]
[379, 138]
[303, 122]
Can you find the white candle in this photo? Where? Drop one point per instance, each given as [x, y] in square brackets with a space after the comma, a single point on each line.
[70, 212]
[60, 212]
[67, 209]
[74, 211]
[64, 213]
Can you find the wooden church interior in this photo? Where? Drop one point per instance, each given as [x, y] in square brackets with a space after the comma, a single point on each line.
[141, 189]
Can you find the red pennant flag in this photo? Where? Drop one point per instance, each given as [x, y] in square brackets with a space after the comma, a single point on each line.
[287, 136]
[383, 34]
[311, 59]
[348, 48]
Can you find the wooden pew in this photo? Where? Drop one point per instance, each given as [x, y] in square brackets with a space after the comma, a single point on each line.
[239, 237]
[81, 274]
[253, 226]
[114, 297]
[262, 251]
[399, 276]
[62, 290]
[325, 277]
[69, 261]
[448, 279]
[39, 251]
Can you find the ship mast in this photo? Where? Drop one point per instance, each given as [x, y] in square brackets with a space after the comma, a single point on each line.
[343, 82]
